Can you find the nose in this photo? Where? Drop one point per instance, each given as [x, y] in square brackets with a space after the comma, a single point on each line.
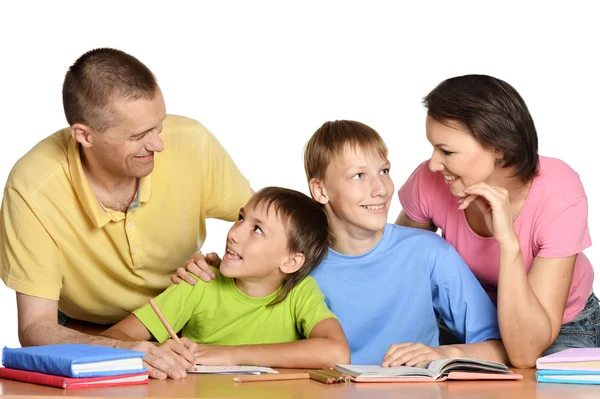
[435, 164]
[234, 234]
[378, 186]
[155, 144]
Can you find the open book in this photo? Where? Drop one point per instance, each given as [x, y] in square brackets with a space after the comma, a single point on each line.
[434, 371]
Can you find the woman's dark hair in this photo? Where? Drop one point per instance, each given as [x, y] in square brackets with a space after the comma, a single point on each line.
[494, 113]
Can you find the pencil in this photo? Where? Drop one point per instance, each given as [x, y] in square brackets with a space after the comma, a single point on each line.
[319, 376]
[272, 377]
[163, 320]
[341, 376]
[335, 375]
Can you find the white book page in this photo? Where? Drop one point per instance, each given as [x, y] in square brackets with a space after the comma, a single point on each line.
[373, 371]
[109, 365]
[199, 369]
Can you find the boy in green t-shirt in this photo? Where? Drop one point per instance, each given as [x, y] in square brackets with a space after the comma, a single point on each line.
[262, 303]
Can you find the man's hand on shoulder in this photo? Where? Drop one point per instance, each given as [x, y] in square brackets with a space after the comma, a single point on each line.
[199, 266]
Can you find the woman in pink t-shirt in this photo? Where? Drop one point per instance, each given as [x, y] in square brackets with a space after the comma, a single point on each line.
[518, 220]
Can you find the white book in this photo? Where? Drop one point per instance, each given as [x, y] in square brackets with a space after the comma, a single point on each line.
[199, 369]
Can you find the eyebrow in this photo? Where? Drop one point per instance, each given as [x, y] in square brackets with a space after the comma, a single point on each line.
[262, 224]
[366, 166]
[152, 128]
[442, 145]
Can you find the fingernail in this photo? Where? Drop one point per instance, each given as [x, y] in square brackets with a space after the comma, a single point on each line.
[176, 374]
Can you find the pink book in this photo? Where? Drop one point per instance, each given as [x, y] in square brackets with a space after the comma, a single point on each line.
[583, 359]
[72, 383]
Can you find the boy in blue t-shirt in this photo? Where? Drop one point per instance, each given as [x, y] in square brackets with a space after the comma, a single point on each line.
[384, 282]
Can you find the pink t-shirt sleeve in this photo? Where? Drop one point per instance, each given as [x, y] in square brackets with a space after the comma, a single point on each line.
[417, 194]
[564, 231]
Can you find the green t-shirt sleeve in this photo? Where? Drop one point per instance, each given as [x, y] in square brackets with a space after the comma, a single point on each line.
[177, 303]
[309, 306]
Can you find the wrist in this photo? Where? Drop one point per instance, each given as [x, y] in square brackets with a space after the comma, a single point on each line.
[509, 245]
[451, 351]
[140, 346]
[236, 353]
[123, 344]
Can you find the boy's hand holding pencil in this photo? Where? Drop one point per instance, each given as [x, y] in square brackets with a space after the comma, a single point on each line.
[173, 357]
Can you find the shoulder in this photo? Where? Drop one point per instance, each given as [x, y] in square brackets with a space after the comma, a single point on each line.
[400, 235]
[176, 127]
[307, 287]
[308, 284]
[424, 194]
[413, 243]
[42, 163]
[187, 139]
[423, 175]
[557, 178]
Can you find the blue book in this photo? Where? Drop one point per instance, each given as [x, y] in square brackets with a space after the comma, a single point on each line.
[568, 376]
[74, 360]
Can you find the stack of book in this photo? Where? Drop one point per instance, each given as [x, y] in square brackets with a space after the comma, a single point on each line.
[571, 366]
[74, 366]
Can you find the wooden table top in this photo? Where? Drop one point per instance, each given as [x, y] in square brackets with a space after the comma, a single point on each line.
[222, 386]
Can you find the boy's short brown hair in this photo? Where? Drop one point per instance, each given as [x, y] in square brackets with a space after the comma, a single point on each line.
[306, 226]
[331, 139]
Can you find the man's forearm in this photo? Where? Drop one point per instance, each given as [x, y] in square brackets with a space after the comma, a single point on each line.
[48, 332]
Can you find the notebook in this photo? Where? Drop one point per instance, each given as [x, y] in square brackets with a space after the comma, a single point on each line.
[73, 383]
[584, 359]
[74, 360]
[199, 369]
[434, 371]
[568, 376]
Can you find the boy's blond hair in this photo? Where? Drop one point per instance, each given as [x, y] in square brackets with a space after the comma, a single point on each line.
[332, 138]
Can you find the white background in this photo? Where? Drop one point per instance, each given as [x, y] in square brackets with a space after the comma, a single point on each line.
[263, 76]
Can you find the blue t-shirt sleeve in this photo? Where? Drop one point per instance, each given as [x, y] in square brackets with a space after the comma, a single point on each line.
[459, 298]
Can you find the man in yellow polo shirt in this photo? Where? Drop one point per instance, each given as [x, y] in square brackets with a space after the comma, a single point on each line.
[96, 217]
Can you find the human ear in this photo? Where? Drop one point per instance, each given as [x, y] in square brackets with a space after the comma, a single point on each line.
[498, 154]
[82, 134]
[293, 263]
[318, 191]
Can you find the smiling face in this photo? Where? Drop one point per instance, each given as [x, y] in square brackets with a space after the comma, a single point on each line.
[257, 245]
[127, 148]
[459, 157]
[358, 191]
